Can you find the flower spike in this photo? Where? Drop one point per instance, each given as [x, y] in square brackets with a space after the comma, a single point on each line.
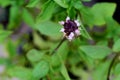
[71, 28]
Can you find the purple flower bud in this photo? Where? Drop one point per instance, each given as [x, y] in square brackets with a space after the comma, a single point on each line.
[70, 29]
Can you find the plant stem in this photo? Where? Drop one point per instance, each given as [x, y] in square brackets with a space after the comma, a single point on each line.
[111, 64]
[58, 45]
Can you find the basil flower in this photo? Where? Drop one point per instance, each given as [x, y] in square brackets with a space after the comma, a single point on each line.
[71, 28]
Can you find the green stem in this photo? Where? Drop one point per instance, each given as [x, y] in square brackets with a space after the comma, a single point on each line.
[111, 64]
[58, 45]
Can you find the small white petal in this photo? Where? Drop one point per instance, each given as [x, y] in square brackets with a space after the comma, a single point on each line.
[77, 32]
[62, 22]
[71, 36]
[68, 18]
[77, 22]
[62, 30]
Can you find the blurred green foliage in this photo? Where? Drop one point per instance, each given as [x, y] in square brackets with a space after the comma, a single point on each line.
[33, 32]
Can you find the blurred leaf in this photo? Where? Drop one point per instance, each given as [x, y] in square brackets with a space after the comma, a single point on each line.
[17, 2]
[33, 3]
[117, 77]
[41, 69]
[87, 16]
[102, 43]
[4, 35]
[71, 12]
[49, 28]
[21, 73]
[46, 11]
[38, 41]
[84, 33]
[14, 12]
[101, 71]
[14, 20]
[89, 61]
[80, 72]
[96, 52]
[62, 3]
[4, 61]
[55, 62]
[117, 69]
[102, 11]
[5, 3]
[63, 69]
[77, 4]
[64, 72]
[105, 9]
[63, 50]
[28, 18]
[11, 48]
[116, 46]
[113, 29]
[34, 55]
[97, 14]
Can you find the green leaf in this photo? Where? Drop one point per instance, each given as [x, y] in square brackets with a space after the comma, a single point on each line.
[40, 42]
[117, 77]
[71, 12]
[80, 73]
[49, 28]
[46, 11]
[62, 3]
[5, 3]
[34, 55]
[87, 15]
[21, 73]
[101, 71]
[117, 69]
[11, 48]
[64, 72]
[63, 50]
[105, 9]
[18, 2]
[33, 3]
[112, 29]
[116, 46]
[97, 14]
[96, 52]
[55, 62]
[84, 33]
[14, 20]
[4, 61]
[102, 11]
[77, 4]
[4, 35]
[28, 18]
[41, 69]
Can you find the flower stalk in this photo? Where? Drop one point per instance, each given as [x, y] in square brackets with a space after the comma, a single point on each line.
[70, 31]
[64, 38]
